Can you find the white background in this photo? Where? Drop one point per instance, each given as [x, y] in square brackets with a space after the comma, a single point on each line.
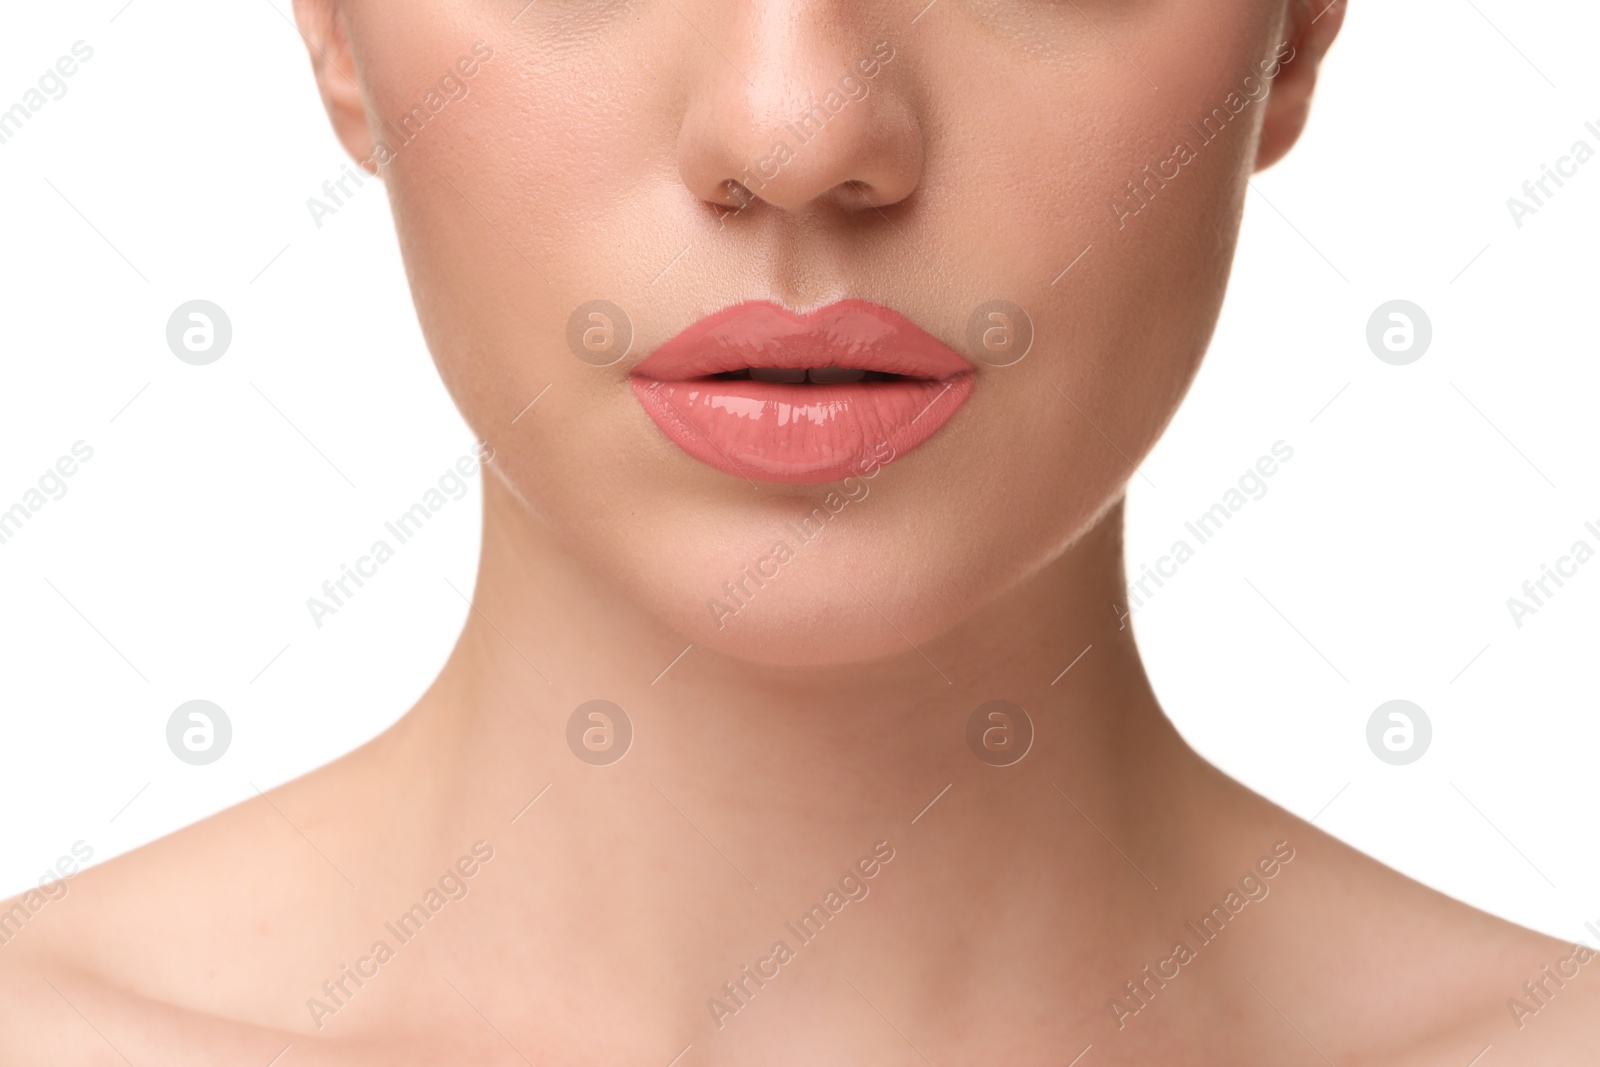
[1376, 567]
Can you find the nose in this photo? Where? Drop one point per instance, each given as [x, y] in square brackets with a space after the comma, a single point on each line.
[797, 111]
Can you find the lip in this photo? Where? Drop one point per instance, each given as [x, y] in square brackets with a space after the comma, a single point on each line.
[798, 433]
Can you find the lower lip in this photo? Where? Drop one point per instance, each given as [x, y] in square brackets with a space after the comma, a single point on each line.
[800, 433]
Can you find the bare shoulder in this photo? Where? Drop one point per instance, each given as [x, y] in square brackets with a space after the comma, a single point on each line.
[197, 940]
[99, 973]
[1554, 1023]
[1375, 969]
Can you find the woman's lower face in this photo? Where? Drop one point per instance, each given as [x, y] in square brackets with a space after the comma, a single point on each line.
[787, 320]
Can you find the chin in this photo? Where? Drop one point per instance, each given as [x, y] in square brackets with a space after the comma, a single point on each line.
[815, 617]
[790, 593]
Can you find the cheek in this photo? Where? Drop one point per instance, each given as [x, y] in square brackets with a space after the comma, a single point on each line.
[554, 183]
[1123, 285]
[1081, 211]
[511, 212]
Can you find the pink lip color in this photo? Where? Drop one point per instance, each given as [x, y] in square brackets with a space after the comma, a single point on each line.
[780, 432]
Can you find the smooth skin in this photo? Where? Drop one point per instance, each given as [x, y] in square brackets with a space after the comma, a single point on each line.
[595, 155]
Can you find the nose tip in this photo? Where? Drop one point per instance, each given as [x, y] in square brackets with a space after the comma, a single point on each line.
[802, 131]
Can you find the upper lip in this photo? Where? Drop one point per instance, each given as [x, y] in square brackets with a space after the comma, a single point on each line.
[759, 333]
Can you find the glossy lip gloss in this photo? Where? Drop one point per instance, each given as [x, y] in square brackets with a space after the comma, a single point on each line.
[761, 392]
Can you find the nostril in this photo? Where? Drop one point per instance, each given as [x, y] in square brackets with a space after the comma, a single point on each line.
[856, 193]
[807, 125]
[736, 194]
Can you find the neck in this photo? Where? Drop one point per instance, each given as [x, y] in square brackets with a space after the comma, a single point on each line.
[749, 790]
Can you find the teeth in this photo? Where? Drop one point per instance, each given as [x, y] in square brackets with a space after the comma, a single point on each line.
[835, 375]
[774, 374]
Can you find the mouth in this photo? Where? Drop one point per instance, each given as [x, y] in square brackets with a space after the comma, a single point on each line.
[762, 392]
